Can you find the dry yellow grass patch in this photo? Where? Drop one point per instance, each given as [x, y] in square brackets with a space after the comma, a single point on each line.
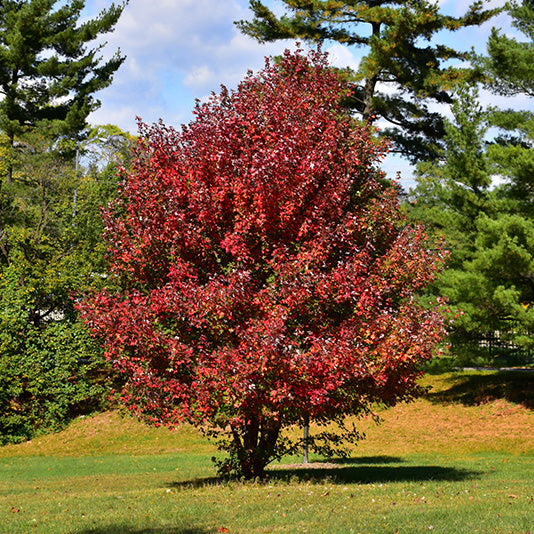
[110, 433]
[441, 422]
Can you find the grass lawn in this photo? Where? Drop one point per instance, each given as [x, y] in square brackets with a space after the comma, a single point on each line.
[460, 460]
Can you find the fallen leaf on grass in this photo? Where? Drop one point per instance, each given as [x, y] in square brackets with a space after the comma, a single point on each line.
[222, 529]
[512, 496]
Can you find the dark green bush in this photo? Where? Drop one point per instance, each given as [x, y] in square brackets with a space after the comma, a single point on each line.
[50, 371]
[53, 375]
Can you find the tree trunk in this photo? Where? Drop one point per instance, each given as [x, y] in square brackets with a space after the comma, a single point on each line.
[305, 439]
[368, 93]
[370, 83]
[255, 444]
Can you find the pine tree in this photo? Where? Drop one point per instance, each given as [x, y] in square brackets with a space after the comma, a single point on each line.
[509, 67]
[488, 280]
[454, 190]
[510, 63]
[48, 75]
[401, 56]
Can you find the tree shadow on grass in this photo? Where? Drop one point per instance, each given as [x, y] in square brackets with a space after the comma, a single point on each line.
[359, 470]
[383, 459]
[371, 474]
[476, 389]
[123, 529]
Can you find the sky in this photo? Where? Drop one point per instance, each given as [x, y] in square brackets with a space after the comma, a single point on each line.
[180, 50]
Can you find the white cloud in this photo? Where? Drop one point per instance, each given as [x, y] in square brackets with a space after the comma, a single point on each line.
[176, 51]
[199, 76]
[341, 56]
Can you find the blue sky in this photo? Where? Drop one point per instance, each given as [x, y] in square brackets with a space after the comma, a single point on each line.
[179, 50]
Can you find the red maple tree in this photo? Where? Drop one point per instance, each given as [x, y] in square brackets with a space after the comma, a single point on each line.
[265, 274]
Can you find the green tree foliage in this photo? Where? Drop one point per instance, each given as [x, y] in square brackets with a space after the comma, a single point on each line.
[510, 62]
[109, 146]
[403, 71]
[510, 72]
[50, 228]
[50, 248]
[49, 75]
[48, 373]
[490, 271]
[452, 191]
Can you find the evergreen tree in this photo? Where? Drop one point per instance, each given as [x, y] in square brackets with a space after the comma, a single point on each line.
[490, 272]
[403, 71]
[510, 72]
[510, 62]
[48, 75]
[453, 191]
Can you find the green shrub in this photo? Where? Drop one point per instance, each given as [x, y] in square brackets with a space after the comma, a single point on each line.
[49, 372]
[54, 374]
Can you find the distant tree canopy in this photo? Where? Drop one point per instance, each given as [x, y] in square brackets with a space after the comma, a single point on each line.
[403, 72]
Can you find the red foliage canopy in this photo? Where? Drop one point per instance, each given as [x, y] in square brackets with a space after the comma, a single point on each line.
[265, 272]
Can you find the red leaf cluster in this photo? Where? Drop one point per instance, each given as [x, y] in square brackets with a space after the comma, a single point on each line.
[265, 269]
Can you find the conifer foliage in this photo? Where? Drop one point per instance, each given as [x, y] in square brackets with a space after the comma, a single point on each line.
[265, 274]
[49, 75]
[405, 67]
[510, 70]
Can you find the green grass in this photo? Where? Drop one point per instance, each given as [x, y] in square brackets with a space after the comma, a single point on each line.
[460, 460]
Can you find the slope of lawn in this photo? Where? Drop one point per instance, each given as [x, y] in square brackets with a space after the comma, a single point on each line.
[460, 460]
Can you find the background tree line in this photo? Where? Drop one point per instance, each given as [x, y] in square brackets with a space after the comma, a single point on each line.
[56, 171]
